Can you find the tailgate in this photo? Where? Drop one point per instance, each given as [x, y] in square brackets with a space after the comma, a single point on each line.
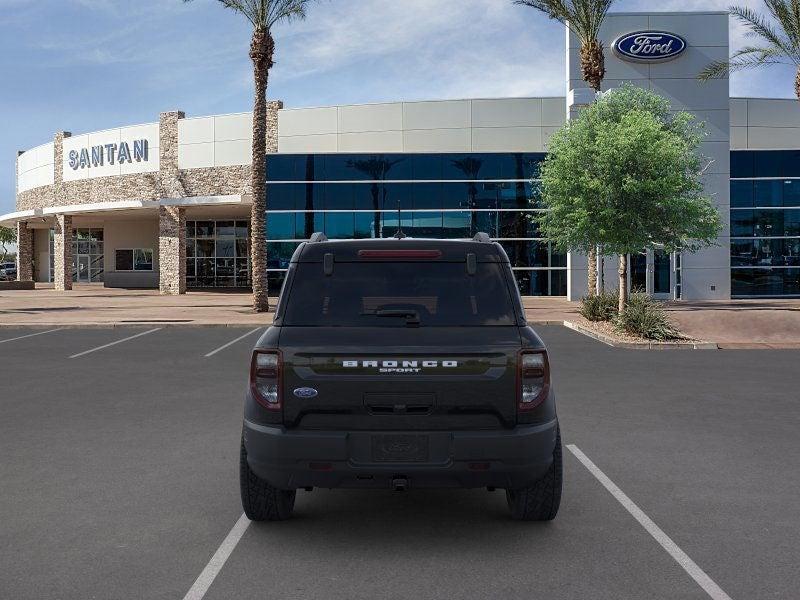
[399, 379]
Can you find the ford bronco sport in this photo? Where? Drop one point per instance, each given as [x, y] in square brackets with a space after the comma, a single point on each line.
[400, 363]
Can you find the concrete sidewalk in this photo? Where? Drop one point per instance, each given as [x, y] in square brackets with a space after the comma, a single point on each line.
[741, 323]
[734, 324]
[90, 305]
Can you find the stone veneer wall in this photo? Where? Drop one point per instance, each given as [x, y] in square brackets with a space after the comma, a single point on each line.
[62, 251]
[217, 181]
[24, 252]
[172, 250]
[169, 182]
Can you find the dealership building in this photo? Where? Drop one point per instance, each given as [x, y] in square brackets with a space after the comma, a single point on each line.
[167, 204]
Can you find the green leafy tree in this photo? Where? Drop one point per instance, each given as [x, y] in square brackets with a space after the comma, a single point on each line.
[778, 40]
[8, 236]
[263, 15]
[584, 19]
[626, 174]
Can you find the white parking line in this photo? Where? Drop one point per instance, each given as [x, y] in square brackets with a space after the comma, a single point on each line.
[695, 572]
[232, 342]
[115, 343]
[22, 337]
[214, 566]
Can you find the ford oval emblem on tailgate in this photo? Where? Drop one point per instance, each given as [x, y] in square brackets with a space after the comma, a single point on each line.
[305, 392]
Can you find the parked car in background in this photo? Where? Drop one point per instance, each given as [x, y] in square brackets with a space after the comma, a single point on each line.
[8, 271]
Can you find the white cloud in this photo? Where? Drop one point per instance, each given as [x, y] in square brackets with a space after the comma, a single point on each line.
[420, 48]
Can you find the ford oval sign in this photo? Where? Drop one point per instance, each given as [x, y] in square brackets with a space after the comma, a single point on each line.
[649, 46]
[305, 392]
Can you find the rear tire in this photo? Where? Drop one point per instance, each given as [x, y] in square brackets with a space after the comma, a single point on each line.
[261, 501]
[540, 501]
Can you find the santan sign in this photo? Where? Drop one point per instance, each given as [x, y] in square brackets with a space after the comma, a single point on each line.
[649, 46]
[97, 156]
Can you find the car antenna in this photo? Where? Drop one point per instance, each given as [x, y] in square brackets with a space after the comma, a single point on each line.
[399, 235]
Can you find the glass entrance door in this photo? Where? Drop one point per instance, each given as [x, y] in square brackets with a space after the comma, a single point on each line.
[83, 269]
[87, 255]
[662, 270]
[650, 272]
[638, 270]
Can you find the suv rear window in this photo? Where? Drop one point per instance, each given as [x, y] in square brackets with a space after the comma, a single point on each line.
[396, 294]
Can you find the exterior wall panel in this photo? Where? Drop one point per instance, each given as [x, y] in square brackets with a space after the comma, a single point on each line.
[437, 140]
[370, 117]
[507, 139]
[512, 112]
[445, 114]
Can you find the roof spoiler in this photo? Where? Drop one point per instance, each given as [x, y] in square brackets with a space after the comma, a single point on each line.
[482, 237]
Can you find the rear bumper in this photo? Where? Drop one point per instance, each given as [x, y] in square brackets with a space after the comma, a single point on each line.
[290, 459]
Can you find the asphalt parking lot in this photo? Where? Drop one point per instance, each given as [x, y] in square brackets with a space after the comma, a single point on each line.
[118, 479]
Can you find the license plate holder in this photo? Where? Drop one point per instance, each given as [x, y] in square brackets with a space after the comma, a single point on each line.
[400, 448]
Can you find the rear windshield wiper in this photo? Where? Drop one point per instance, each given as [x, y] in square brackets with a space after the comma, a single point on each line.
[411, 316]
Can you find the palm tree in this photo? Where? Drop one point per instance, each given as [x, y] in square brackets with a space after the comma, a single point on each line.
[263, 15]
[780, 41]
[584, 19]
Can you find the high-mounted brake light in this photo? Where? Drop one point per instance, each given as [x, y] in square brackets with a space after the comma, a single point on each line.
[265, 378]
[399, 253]
[533, 378]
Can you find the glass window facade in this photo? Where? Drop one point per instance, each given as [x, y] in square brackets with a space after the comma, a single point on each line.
[218, 254]
[450, 196]
[765, 223]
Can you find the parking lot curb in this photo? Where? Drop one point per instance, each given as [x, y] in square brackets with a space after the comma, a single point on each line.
[640, 345]
[116, 324]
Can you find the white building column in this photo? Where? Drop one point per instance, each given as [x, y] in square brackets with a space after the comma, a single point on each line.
[577, 263]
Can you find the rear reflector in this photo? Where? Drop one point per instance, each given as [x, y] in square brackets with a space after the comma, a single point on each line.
[399, 253]
[320, 466]
[479, 466]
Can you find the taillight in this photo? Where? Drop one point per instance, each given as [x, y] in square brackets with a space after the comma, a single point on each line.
[534, 378]
[265, 378]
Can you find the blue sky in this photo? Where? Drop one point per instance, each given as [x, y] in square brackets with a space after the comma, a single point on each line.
[84, 65]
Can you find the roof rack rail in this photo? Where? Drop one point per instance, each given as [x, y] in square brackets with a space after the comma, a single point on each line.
[318, 236]
[482, 237]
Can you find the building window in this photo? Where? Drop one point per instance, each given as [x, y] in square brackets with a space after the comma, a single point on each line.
[218, 254]
[765, 223]
[445, 196]
[133, 259]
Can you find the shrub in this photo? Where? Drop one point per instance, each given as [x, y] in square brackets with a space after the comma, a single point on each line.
[602, 307]
[644, 317]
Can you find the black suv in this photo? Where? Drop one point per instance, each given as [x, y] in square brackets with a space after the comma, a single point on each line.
[400, 363]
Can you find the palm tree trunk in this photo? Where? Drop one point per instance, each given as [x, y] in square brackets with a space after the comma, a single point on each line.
[261, 52]
[623, 282]
[593, 68]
